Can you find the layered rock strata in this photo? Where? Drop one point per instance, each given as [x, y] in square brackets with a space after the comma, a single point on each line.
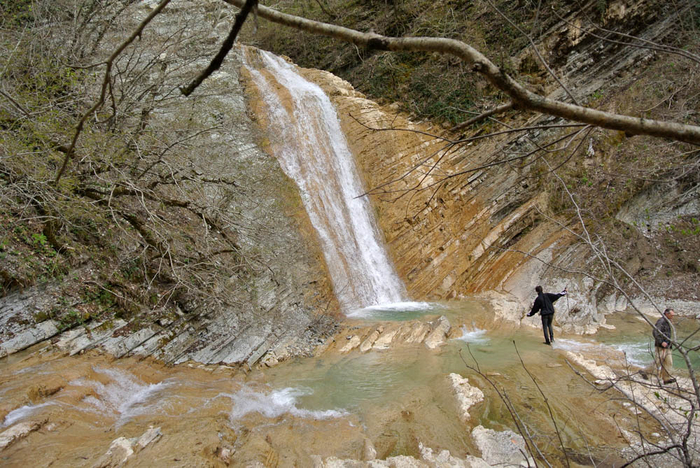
[362, 338]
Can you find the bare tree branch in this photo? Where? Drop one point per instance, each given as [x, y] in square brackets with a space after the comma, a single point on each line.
[16, 104]
[106, 81]
[496, 110]
[224, 50]
[520, 426]
[521, 97]
[546, 402]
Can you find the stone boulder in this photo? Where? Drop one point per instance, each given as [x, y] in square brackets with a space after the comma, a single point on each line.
[504, 448]
[467, 396]
[438, 336]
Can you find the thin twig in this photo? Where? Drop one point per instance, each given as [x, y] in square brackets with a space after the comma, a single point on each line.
[496, 110]
[546, 403]
[511, 409]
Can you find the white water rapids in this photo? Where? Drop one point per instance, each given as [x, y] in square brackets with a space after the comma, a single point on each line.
[313, 151]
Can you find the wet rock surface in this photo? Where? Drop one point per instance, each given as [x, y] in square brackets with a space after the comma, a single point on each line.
[401, 405]
[500, 448]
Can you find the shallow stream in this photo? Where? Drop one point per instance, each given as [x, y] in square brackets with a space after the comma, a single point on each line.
[328, 405]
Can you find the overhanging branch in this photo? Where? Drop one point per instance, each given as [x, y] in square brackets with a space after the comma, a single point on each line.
[521, 97]
[224, 50]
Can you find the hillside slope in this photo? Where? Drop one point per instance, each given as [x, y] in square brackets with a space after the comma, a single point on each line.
[171, 232]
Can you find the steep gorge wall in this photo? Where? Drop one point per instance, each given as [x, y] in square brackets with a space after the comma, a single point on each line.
[492, 229]
[271, 294]
[468, 236]
[479, 233]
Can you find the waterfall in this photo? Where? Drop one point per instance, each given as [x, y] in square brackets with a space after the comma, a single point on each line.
[309, 143]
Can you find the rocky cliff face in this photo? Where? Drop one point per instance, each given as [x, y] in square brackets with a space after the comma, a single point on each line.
[486, 231]
[481, 232]
[458, 224]
[233, 223]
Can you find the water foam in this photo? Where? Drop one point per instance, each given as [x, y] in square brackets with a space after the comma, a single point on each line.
[276, 403]
[123, 398]
[473, 335]
[392, 308]
[638, 353]
[21, 413]
[575, 346]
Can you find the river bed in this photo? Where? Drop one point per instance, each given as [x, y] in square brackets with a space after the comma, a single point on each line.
[332, 405]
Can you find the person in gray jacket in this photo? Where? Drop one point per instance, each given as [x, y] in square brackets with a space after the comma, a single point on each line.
[663, 360]
[544, 304]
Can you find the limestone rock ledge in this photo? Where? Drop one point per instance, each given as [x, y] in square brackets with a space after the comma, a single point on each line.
[466, 395]
[432, 335]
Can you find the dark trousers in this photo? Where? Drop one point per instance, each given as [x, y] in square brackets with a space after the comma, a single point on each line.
[547, 325]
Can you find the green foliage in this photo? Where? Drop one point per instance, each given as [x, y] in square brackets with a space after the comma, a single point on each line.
[693, 230]
[41, 317]
[72, 319]
[39, 239]
[16, 13]
[100, 296]
[132, 270]
[601, 6]
[445, 104]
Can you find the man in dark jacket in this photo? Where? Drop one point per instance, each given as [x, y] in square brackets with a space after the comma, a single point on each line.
[544, 304]
[663, 361]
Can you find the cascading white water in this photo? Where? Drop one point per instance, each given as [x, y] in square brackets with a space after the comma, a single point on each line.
[275, 403]
[123, 397]
[313, 151]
